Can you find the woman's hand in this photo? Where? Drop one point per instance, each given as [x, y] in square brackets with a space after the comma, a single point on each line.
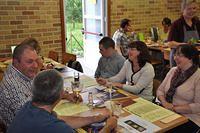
[168, 106]
[101, 81]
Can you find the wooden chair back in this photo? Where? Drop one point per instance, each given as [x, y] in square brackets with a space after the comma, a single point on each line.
[53, 55]
[1, 75]
[66, 57]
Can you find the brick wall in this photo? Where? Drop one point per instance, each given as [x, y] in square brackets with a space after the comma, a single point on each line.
[143, 13]
[20, 19]
[41, 19]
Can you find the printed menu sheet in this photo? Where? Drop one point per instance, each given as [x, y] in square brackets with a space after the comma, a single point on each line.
[87, 81]
[66, 108]
[148, 111]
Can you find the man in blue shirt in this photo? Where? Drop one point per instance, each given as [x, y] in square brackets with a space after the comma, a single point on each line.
[111, 61]
[37, 115]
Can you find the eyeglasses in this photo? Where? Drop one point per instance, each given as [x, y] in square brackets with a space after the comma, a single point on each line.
[179, 55]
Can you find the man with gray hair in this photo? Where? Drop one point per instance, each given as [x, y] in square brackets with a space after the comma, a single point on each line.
[38, 116]
[16, 83]
[15, 87]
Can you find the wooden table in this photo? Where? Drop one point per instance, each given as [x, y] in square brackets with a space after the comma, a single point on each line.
[164, 50]
[68, 72]
[164, 127]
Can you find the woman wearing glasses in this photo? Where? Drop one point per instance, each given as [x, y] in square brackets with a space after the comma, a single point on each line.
[180, 90]
[136, 75]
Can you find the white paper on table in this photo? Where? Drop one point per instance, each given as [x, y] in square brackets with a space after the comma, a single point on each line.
[135, 124]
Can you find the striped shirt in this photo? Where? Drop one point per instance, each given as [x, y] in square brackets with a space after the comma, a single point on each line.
[15, 90]
[122, 39]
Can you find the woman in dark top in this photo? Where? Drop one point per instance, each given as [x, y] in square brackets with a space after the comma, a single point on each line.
[186, 29]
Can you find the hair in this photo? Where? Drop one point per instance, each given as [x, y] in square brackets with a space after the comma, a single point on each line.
[166, 21]
[33, 43]
[190, 52]
[107, 42]
[186, 3]
[124, 22]
[19, 50]
[46, 87]
[144, 55]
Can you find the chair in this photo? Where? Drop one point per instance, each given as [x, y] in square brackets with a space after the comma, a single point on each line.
[158, 67]
[66, 57]
[1, 75]
[2, 127]
[53, 55]
[156, 62]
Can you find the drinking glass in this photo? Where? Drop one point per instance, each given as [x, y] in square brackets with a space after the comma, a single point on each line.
[109, 89]
[77, 87]
[76, 77]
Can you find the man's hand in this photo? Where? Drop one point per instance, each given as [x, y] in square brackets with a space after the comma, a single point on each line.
[72, 97]
[112, 122]
[101, 81]
[111, 125]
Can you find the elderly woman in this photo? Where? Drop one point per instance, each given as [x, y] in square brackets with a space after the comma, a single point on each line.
[180, 90]
[185, 29]
[136, 71]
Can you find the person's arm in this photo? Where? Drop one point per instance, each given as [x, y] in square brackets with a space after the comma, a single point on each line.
[161, 90]
[79, 121]
[174, 44]
[165, 104]
[101, 81]
[121, 76]
[111, 124]
[117, 39]
[193, 107]
[145, 78]
[71, 97]
[117, 47]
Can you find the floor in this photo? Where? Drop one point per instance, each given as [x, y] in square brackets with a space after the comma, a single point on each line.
[86, 69]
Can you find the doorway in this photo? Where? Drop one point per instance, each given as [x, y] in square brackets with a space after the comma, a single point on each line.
[73, 25]
[86, 29]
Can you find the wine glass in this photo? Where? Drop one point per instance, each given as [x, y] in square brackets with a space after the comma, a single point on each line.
[77, 87]
[109, 89]
[76, 76]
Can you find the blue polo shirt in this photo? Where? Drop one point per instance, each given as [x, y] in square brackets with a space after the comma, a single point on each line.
[31, 119]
